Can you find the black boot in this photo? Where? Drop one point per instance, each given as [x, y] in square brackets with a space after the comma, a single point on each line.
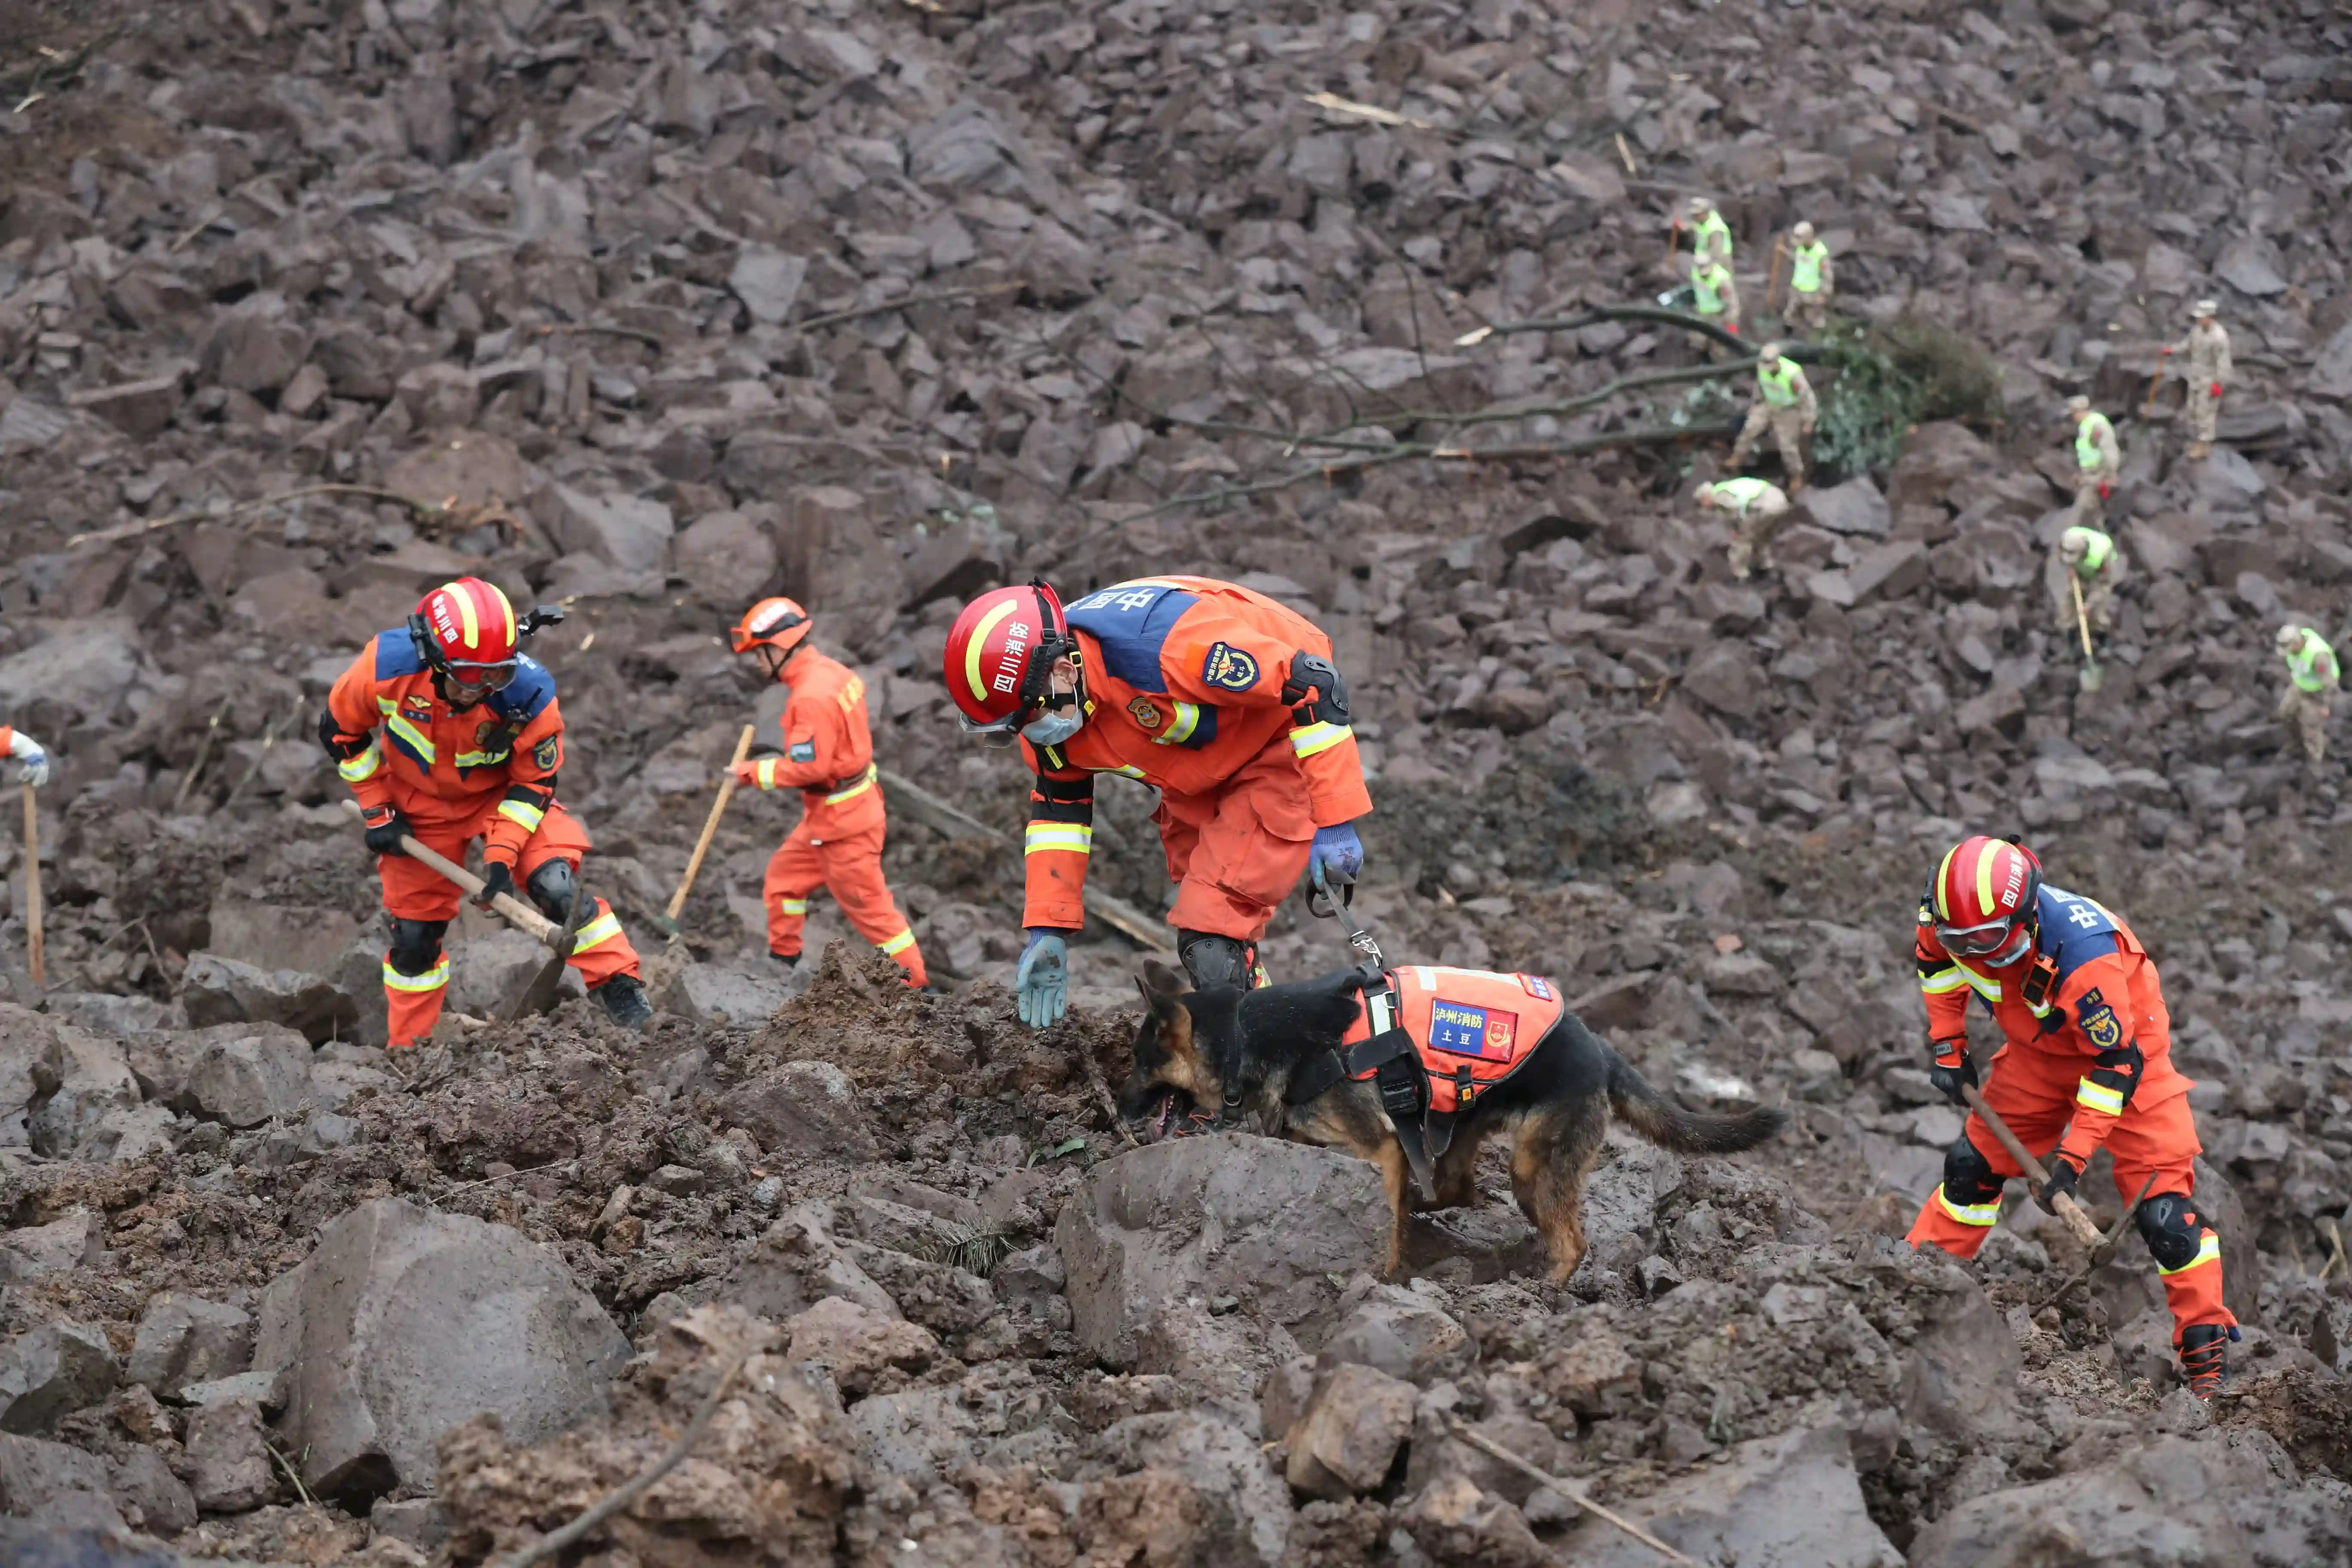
[2202, 1347]
[789, 960]
[624, 1002]
[1215, 963]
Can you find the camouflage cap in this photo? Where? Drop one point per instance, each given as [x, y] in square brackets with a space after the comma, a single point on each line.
[2204, 308]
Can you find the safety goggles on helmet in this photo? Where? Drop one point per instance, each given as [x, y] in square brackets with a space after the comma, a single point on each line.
[1977, 940]
[476, 676]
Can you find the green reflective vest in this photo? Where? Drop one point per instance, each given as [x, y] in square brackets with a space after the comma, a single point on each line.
[2086, 439]
[2096, 548]
[1805, 267]
[1712, 231]
[1706, 286]
[1778, 380]
[1742, 493]
[2303, 663]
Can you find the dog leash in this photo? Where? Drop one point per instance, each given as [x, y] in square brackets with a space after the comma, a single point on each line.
[1323, 905]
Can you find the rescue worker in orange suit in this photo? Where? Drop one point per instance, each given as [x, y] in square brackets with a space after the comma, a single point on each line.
[828, 757]
[1224, 700]
[2088, 1055]
[447, 733]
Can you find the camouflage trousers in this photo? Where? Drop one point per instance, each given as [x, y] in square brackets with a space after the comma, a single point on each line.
[1807, 314]
[2306, 712]
[2204, 412]
[1788, 433]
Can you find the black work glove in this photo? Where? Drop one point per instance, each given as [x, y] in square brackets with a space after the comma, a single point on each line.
[1952, 1072]
[2063, 1177]
[498, 877]
[386, 825]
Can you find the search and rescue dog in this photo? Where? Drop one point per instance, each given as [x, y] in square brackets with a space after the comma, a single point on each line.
[1293, 1052]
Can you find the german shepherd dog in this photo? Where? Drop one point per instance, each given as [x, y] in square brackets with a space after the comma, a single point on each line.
[1556, 1106]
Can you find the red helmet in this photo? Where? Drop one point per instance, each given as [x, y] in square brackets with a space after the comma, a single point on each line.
[1000, 651]
[466, 630]
[778, 623]
[1981, 899]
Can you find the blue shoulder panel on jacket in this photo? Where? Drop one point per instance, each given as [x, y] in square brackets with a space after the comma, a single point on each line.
[2075, 930]
[396, 655]
[530, 690]
[1131, 621]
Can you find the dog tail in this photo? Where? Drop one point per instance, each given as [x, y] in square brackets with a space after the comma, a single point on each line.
[1669, 1126]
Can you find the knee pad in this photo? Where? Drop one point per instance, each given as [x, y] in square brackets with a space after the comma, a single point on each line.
[1215, 963]
[2173, 1227]
[415, 945]
[1968, 1176]
[550, 888]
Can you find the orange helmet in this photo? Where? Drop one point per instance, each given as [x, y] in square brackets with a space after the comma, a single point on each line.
[1981, 899]
[778, 623]
[467, 633]
[1000, 651]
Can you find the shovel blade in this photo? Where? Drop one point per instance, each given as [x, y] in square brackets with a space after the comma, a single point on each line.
[2093, 676]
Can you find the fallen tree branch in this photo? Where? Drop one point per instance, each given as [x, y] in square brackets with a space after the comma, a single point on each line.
[621, 1497]
[1565, 1488]
[905, 301]
[133, 529]
[1663, 315]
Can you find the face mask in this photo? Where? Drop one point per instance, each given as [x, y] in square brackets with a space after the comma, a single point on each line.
[1054, 727]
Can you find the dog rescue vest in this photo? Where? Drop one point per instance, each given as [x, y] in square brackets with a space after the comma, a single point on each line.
[1436, 1040]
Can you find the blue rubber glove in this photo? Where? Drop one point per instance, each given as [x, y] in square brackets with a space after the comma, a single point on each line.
[1336, 858]
[1042, 985]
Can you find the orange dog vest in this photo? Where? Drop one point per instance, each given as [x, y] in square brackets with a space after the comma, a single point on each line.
[1473, 1028]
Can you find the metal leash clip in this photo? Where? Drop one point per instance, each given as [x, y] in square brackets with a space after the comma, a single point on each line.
[1323, 905]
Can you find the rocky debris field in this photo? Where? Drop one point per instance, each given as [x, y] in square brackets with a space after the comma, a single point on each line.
[304, 309]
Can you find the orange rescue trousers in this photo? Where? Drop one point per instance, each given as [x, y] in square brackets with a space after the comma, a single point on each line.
[1236, 855]
[850, 867]
[414, 892]
[2159, 1140]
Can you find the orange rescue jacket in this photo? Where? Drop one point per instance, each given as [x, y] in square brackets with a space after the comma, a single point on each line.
[397, 742]
[1184, 680]
[2084, 1009]
[828, 749]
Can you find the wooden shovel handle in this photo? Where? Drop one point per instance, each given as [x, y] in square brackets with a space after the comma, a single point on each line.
[36, 959]
[520, 915]
[2086, 1230]
[711, 823]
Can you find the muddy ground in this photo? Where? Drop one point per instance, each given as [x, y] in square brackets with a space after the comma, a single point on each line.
[649, 309]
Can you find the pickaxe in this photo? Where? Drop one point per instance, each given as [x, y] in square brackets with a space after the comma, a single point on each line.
[2076, 1217]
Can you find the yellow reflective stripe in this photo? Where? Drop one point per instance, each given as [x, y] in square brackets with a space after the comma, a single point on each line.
[764, 772]
[865, 782]
[603, 929]
[971, 648]
[432, 979]
[793, 906]
[1077, 837]
[481, 759]
[1126, 770]
[2209, 1250]
[523, 812]
[362, 766]
[1943, 904]
[1181, 728]
[1950, 980]
[1984, 880]
[897, 944]
[2099, 1096]
[409, 732]
[1968, 1214]
[1988, 989]
[1315, 738]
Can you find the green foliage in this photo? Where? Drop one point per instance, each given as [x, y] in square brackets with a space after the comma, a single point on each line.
[1887, 380]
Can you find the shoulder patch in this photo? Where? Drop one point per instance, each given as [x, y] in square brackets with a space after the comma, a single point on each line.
[395, 654]
[547, 754]
[1144, 711]
[802, 752]
[2100, 1024]
[1537, 987]
[1228, 669]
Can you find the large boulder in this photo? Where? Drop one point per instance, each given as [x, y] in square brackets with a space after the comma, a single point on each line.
[1790, 1501]
[1245, 1515]
[802, 1107]
[87, 1104]
[225, 990]
[242, 1073]
[404, 1322]
[68, 1241]
[718, 994]
[2173, 1503]
[185, 1339]
[53, 1371]
[1271, 1223]
[60, 1486]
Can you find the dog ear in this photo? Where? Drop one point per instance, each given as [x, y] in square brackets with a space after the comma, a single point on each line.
[1158, 980]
